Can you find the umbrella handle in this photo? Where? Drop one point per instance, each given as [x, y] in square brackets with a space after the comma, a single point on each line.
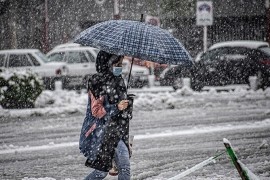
[130, 72]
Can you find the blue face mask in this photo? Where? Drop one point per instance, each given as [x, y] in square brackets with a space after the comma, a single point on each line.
[117, 71]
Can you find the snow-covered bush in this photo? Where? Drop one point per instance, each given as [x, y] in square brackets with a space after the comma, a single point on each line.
[19, 89]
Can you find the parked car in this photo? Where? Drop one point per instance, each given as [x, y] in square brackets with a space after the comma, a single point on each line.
[139, 74]
[226, 63]
[80, 64]
[35, 61]
[166, 80]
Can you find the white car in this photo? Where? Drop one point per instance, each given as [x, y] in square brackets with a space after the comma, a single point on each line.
[80, 64]
[139, 74]
[67, 45]
[35, 61]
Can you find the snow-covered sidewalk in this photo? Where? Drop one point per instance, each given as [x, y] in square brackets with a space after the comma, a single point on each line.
[61, 102]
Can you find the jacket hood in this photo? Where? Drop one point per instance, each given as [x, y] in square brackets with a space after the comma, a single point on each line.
[102, 62]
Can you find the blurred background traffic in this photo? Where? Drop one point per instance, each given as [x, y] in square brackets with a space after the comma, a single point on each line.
[232, 50]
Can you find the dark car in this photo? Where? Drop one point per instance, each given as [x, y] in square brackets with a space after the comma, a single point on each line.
[226, 63]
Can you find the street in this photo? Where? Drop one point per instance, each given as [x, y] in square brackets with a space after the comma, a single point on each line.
[167, 141]
[199, 72]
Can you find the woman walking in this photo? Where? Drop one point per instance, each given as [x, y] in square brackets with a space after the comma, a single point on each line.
[105, 131]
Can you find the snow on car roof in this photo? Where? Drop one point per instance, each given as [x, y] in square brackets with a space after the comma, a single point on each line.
[70, 49]
[19, 50]
[248, 44]
[67, 45]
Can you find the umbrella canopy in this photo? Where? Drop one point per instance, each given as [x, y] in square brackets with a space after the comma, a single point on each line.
[135, 39]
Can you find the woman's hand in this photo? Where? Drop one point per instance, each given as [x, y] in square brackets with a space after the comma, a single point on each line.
[122, 105]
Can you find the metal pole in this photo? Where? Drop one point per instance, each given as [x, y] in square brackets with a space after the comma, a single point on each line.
[116, 9]
[234, 159]
[12, 25]
[46, 36]
[196, 167]
[267, 11]
[204, 38]
[158, 8]
[130, 72]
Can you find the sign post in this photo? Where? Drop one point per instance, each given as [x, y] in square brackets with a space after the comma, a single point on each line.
[204, 17]
[116, 10]
[155, 21]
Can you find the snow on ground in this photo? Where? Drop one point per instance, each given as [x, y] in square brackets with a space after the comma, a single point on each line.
[9, 149]
[204, 120]
[69, 102]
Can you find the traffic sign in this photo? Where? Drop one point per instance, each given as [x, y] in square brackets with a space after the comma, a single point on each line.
[204, 13]
[152, 20]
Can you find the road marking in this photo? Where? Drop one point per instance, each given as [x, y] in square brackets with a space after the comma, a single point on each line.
[38, 148]
[202, 130]
[207, 129]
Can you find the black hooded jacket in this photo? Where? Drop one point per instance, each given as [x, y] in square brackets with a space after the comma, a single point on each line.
[104, 83]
